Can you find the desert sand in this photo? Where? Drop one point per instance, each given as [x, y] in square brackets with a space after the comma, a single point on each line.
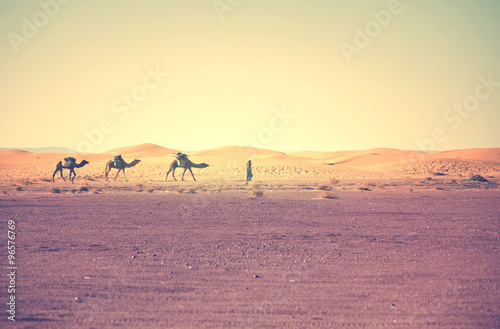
[361, 239]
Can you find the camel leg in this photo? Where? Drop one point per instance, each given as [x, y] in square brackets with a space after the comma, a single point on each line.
[168, 172]
[183, 173]
[106, 172]
[74, 175]
[173, 174]
[192, 174]
[117, 175]
[124, 174]
[55, 172]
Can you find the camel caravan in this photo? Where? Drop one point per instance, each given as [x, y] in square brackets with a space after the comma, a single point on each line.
[117, 162]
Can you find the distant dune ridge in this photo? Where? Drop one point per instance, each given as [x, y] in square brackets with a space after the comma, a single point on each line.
[229, 163]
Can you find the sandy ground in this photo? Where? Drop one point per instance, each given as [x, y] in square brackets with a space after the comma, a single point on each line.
[212, 254]
[363, 239]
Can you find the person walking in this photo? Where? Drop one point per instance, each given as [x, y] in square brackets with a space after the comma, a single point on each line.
[249, 170]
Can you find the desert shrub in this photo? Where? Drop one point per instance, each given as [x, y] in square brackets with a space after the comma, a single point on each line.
[83, 189]
[73, 190]
[255, 185]
[54, 190]
[478, 178]
[19, 188]
[179, 189]
[139, 190]
[150, 190]
[258, 193]
[364, 188]
[322, 187]
[192, 190]
[428, 178]
[333, 181]
[328, 195]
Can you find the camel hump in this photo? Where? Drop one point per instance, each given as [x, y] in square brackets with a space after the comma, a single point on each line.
[67, 161]
[117, 159]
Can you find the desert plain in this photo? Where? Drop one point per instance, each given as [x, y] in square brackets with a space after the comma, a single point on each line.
[379, 238]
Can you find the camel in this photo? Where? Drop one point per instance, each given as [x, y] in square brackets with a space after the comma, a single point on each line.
[120, 165]
[186, 164]
[72, 165]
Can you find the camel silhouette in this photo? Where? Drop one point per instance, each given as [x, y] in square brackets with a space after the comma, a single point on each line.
[71, 166]
[186, 164]
[120, 165]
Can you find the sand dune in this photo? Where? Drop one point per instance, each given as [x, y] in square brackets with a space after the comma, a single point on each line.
[485, 154]
[229, 163]
[141, 150]
[237, 152]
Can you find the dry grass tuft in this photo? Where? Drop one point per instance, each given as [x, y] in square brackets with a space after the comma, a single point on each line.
[328, 195]
[192, 190]
[258, 193]
[333, 181]
[478, 178]
[255, 185]
[365, 187]
[139, 190]
[150, 190]
[54, 190]
[322, 187]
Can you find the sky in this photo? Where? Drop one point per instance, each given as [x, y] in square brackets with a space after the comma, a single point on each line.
[285, 75]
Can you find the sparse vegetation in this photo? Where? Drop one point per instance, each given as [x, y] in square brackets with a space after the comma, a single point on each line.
[255, 185]
[139, 190]
[150, 190]
[19, 188]
[333, 181]
[478, 178]
[258, 193]
[328, 195]
[83, 189]
[55, 190]
[322, 187]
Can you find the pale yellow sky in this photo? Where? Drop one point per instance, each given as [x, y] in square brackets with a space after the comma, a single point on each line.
[283, 75]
